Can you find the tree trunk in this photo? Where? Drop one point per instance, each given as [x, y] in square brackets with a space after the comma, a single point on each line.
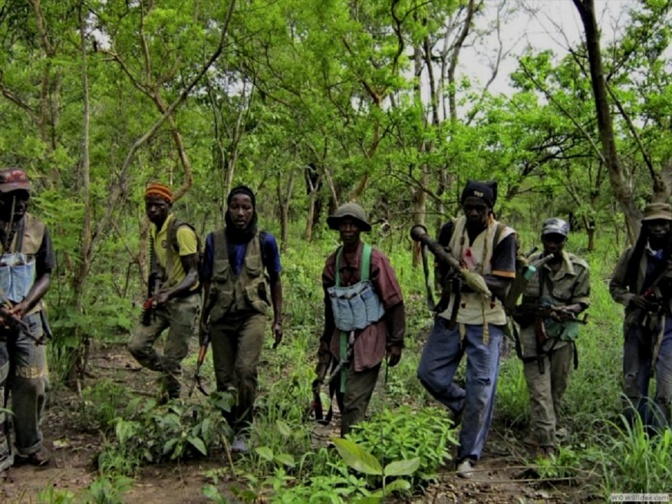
[619, 184]
[77, 365]
[284, 201]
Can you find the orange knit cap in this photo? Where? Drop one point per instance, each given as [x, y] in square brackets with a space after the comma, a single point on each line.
[157, 190]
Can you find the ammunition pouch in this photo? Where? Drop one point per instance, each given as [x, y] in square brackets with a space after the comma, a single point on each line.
[355, 307]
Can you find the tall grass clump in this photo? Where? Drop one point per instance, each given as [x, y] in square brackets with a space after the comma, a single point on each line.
[634, 461]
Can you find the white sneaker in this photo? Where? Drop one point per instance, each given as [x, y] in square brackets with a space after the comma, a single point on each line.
[239, 446]
[465, 469]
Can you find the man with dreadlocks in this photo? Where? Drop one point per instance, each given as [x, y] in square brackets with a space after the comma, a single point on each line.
[641, 282]
[174, 301]
[238, 295]
[26, 264]
[473, 322]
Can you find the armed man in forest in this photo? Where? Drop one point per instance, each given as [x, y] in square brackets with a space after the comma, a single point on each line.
[642, 282]
[472, 321]
[173, 300]
[26, 264]
[364, 315]
[242, 283]
[547, 316]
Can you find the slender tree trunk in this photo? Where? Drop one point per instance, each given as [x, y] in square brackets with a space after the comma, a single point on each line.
[284, 200]
[420, 193]
[310, 219]
[619, 184]
[77, 368]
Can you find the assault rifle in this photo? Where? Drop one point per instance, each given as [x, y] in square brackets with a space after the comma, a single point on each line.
[540, 312]
[11, 321]
[321, 370]
[202, 351]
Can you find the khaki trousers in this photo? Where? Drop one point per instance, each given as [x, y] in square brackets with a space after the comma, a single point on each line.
[546, 391]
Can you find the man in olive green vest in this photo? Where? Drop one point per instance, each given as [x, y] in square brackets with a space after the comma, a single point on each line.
[175, 301]
[238, 298]
[26, 264]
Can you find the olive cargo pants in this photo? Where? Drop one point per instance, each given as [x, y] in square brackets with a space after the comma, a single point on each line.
[236, 342]
[179, 316]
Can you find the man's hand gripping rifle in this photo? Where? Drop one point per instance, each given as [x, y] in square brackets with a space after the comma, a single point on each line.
[470, 278]
[325, 360]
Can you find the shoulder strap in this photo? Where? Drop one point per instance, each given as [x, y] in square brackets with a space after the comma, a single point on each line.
[172, 232]
[337, 266]
[365, 270]
[498, 232]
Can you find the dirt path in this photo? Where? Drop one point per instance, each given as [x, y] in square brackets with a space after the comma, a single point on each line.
[501, 476]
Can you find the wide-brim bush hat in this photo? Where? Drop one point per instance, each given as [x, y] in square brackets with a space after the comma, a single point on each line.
[352, 211]
[657, 211]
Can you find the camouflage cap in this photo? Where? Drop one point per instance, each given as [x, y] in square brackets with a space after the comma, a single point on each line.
[14, 179]
[555, 225]
[657, 211]
[352, 211]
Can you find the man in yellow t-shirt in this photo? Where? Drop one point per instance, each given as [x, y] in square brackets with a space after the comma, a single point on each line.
[174, 302]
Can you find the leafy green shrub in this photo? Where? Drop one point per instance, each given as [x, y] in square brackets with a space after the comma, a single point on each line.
[101, 404]
[106, 490]
[404, 434]
[177, 430]
[513, 398]
[51, 495]
[338, 486]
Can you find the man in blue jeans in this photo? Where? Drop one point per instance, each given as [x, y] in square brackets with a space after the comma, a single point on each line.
[471, 322]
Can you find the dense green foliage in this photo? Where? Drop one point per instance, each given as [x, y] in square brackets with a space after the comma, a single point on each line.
[99, 97]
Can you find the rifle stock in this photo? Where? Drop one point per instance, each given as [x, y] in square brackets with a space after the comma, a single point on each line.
[202, 351]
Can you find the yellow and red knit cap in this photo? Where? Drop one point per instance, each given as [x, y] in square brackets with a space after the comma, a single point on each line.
[156, 190]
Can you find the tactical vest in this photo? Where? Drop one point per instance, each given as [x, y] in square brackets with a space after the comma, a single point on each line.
[17, 263]
[478, 257]
[550, 289]
[357, 306]
[248, 291]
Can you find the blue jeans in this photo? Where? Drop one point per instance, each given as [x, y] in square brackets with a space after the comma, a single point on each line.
[638, 364]
[23, 370]
[441, 357]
